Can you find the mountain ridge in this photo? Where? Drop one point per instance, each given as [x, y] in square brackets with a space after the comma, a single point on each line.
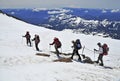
[87, 21]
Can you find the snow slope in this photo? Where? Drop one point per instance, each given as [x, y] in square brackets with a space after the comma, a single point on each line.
[18, 62]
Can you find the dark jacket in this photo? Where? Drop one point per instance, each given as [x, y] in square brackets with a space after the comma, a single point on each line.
[36, 39]
[27, 35]
[74, 45]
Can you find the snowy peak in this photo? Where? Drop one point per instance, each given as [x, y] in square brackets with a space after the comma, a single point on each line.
[68, 21]
[88, 21]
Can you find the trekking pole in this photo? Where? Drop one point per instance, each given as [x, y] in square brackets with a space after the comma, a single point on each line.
[61, 49]
[49, 47]
[83, 50]
[83, 55]
[94, 56]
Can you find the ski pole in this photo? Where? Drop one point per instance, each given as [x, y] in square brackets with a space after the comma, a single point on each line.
[94, 58]
[83, 55]
[49, 47]
[61, 49]
[83, 49]
[94, 55]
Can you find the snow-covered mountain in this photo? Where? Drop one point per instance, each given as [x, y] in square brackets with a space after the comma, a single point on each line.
[88, 21]
[65, 21]
[18, 62]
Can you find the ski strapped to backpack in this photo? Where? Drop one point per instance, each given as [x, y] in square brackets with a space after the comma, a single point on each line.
[105, 49]
[78, 44]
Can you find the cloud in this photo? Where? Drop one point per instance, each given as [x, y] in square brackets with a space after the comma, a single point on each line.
[59, 3]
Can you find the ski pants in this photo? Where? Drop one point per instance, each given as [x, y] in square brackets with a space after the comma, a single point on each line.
[75, 51]
[28, 41]
[36, 45]
[57, 51]
[100, 58]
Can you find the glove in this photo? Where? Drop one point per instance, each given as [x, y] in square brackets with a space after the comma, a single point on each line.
[33, 39]
[95, 50]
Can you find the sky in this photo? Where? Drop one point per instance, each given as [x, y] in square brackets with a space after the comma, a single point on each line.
[110, 4]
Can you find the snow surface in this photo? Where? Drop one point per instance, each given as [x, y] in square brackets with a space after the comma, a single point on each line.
[18, 62]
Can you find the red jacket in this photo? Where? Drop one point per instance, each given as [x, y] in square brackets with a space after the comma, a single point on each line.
[56, 42]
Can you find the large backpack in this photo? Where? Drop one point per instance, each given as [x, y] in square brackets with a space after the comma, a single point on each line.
[105, 49]
[28, 36]
[78, 44]
[57, 42]
[38, 39]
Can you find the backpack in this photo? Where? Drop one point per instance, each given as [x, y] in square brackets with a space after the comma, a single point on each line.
[58, 43]
[78, 44]
[28, 36]
[105, 49]
[38, 39]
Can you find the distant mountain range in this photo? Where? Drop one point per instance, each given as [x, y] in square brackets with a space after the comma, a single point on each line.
[87, 21]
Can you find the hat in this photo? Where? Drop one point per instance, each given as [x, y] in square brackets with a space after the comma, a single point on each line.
[98, 43]
[27, 31]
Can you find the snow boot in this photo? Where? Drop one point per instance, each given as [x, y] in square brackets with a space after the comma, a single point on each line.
[101, 64]
[96, 62]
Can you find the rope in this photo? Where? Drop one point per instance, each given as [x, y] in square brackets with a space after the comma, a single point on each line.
[61, 49]
[89, 49]
[66, 50]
